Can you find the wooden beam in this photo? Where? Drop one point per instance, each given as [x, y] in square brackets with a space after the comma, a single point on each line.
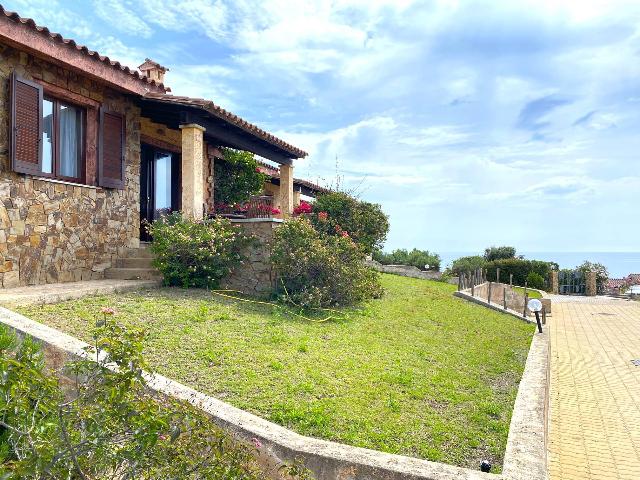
[236, 137]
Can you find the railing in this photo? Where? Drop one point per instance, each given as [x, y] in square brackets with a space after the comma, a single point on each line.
[259, 206]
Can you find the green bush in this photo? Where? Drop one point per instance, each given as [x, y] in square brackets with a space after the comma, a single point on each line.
[196, 254]
[535, 280]
[467, 264]
[416, 258]
[498, 253]
[519, 268]
[316, 270]
[237, 177]
[365, 222]
[107, 424]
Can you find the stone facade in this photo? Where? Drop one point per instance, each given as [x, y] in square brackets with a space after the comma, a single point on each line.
[255, 276]
[53, 231]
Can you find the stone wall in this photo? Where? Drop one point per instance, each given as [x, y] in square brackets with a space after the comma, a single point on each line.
[53, 231]
[255, 276]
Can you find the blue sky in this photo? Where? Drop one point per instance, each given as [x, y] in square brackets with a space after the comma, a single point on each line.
[471, 122]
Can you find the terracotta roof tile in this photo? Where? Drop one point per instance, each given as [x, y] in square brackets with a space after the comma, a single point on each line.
[30, 23]
[220, 112]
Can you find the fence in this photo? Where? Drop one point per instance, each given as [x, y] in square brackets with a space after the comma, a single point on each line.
[258, 206]
[496, 293]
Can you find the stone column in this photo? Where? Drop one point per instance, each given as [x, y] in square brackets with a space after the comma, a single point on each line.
[192, 171]
[591, 287]
[286, 190]
[554, 282]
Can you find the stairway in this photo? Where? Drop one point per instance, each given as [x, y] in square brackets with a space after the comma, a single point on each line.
[136, 266]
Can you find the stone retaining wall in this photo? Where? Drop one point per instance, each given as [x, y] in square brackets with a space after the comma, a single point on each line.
[255, 276]
[54, 231]
[404, 270]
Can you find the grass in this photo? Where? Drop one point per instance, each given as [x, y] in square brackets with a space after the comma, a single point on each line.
[532, 293]
[418, 372]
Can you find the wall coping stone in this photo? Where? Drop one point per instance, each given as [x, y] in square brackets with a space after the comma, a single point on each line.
[256, 220]
[330, 460]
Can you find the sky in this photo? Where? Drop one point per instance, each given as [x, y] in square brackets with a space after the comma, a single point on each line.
[472, 123]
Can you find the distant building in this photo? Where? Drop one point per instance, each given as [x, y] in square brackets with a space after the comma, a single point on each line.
[630, 284]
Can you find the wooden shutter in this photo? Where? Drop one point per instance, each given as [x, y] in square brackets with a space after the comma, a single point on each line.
[111, 146]
[26, 125]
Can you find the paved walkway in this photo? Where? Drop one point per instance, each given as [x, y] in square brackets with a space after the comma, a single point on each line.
[59, 292]
[594, 428]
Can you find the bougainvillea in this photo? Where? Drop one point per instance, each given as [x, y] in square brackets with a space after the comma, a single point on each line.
[303, 208]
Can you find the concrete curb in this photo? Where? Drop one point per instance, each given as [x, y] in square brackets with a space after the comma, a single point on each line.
[327, 460]
[60, 292]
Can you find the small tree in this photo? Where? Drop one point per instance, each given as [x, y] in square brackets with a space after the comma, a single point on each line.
[498, 253]
[237, 177]
[467, 264]
[365, 222]
[602, 274]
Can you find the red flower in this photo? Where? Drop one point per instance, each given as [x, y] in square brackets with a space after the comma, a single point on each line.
[304, 207]
[323, 216]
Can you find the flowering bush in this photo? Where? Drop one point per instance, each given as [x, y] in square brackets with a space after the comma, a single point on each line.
[196, 254]
[365, 222]
[304, 207]
[317, 270]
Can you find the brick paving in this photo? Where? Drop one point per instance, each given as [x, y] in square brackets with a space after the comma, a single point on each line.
[594, 398]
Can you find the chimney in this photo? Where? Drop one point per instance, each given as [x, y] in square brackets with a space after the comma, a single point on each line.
[153, 70]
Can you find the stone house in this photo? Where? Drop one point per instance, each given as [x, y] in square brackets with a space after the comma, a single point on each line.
[89, 149]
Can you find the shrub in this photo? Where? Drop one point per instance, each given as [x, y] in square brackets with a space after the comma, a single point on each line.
[467, 264]
[317, 270]
[498, 253]
[196, 254]
[107, 424]
[416, 258]
[535, 280]
[365, 222]
[519, 268]
[237, 177]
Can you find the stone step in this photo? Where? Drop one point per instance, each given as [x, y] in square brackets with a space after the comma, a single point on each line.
[132, 274]
[142, 252]
[134, 262]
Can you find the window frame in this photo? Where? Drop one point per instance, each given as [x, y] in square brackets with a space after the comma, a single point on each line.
[80, 141]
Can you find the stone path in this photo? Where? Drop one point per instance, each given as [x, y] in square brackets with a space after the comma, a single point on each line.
[594, 397]
[59, 292]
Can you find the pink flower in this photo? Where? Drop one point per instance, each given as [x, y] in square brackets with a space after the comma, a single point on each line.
[256, 443]
[323, 216]
[108, 311]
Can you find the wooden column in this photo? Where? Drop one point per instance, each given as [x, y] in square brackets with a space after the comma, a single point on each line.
[286, 190]
[192, 171]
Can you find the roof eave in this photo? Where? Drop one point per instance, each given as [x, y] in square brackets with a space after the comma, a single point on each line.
[23, 34]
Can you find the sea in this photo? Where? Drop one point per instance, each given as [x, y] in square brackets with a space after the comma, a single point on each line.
[619, 264]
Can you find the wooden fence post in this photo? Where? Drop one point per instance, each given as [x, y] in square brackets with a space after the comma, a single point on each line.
[498, 275]
[511, 279]
[473, 289]
[489, 293]
[526, 300]
[504, 296]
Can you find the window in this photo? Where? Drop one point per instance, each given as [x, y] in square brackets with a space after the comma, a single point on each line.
[62, 135]
[62, 139]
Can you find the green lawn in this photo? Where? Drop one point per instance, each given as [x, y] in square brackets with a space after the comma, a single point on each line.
[532, 293]
[418, 372]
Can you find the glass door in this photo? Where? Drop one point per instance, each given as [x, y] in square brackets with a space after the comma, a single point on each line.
[159, 186]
